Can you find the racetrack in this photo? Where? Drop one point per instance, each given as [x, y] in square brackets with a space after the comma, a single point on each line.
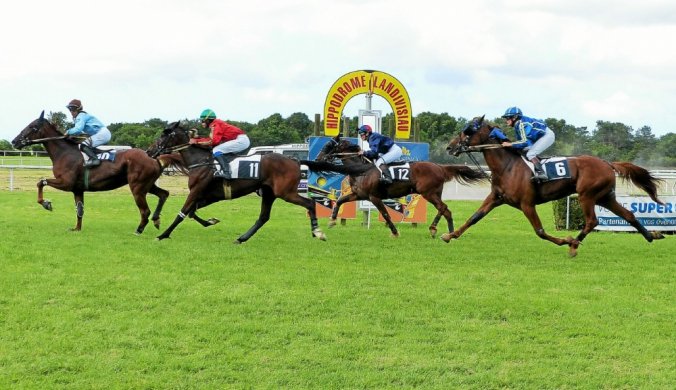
[497, 309]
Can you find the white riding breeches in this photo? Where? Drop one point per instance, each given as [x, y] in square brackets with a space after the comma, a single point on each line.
[233, 146]
[392, 155]
[541, 145]
[100, 138]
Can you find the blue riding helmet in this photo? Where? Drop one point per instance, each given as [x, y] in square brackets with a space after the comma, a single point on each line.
[365, 129]
[513, 112]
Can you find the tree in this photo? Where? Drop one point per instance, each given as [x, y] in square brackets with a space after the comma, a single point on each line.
[273, 130]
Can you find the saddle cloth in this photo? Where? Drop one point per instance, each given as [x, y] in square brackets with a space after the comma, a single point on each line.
[555, 167]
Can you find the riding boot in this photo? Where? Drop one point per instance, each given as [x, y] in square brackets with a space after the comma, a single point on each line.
[540, 174]
[386, 177]
[89, 151]
[224, 162]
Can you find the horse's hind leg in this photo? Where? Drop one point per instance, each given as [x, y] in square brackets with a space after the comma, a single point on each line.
[162, 194]
[144, 210]
[351, 197]
[266, 205]
[613, 205]
[310, 206]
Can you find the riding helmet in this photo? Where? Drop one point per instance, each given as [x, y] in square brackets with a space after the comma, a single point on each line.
[365, 129]
[74, 104]
[207, 114]
[513, 112]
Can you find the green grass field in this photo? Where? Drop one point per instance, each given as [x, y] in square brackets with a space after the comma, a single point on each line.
[499, 308]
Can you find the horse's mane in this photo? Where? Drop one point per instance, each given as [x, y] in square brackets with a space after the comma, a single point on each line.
[323, 166]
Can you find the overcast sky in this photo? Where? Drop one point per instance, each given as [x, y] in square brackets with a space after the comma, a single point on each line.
[129, 61]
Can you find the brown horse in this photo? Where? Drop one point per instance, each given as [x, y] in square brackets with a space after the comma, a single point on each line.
[275, 176]
[591, 178]
[421, 177]
[131, 166]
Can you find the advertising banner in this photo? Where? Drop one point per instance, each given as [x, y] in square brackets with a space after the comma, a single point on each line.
[652, 215]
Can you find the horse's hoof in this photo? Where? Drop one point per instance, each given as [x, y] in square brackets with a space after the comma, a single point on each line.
[657, 235]
[395, 235]
[73, 230]
[47, 205]
[318, 233]
[332, 223]
[446, 237]
[160, 238]
[213, 221]
[156, 224]
[137, 233]
[237, 241]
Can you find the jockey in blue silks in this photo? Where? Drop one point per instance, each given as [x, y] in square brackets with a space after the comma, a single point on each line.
[532, 136]
[382, 148]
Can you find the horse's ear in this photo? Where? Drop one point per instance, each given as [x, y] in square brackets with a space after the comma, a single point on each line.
[482, 118]
[42, 115]
[337, 138]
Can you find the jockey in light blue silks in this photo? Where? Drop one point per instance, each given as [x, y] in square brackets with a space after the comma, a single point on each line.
[382, 148]
[532, 135]
[97, 133]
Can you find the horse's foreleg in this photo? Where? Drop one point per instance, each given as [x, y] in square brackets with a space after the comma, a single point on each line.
[491, 202]
[162, 194]
[532, 216]
[188, 207]
[263, 217]
[204, 222]
[41, 200]
[383, 211]
[442, 209]
[79, 210]
[351, 197]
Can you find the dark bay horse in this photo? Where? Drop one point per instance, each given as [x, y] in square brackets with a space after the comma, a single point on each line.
[277, 177]
[424, 178]
[590, 177]
[131, 166]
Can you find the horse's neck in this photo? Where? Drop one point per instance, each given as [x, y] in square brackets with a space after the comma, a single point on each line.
[57, 149]
[194, 155]
[499, 159]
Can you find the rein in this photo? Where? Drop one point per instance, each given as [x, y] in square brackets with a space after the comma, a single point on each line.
[478, 148]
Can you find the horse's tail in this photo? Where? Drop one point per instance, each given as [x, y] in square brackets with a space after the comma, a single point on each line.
[463, 174]
[172, 161]
[641, 178]
[323, 166]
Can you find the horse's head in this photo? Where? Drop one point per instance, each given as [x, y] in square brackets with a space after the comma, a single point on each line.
[337, 148]
[476, 132]
[174, 135]
[39, 128]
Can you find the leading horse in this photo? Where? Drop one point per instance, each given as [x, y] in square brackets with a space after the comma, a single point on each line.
[131, 166]
[592, 178]
[421, 177]
[275, 176]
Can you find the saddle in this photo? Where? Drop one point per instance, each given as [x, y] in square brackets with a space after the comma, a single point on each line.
[555, 167]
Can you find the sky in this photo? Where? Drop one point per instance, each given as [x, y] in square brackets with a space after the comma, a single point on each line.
[129, 61]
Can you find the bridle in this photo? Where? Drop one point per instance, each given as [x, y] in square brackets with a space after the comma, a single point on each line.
[330, 154]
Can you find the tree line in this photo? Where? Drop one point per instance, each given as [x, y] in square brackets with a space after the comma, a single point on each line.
[612, 141]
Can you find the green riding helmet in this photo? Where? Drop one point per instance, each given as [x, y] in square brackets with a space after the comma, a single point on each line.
[207, 114]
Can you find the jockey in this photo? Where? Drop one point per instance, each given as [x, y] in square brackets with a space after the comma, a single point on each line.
[97, 133]
[381, 147]
[532, 135]
[226, 140]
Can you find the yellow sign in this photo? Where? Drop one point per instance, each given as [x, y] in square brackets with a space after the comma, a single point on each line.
[370, 82]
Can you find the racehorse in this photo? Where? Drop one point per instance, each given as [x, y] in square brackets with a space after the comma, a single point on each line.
[131, 166]
[421, 177]
[592, 178]
[278, 177]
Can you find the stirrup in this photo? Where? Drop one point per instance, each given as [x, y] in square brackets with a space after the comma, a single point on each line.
[222, 175]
